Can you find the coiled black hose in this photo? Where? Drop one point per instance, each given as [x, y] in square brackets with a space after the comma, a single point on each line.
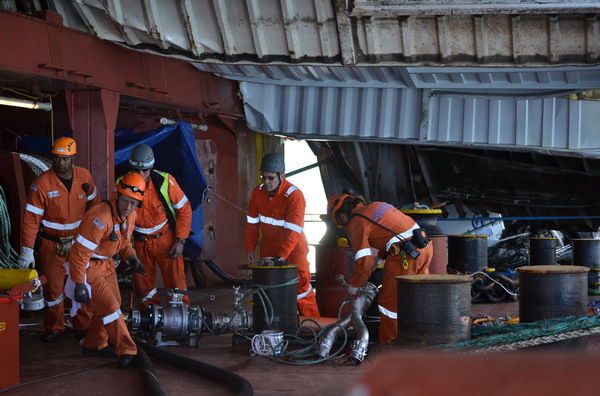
[233, 380]
[153, 388]
[224, 276]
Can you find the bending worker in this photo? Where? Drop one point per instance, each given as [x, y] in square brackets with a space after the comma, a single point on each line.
[162, 228]
[277, 209]
[383, 227]
[105, 231]
[56, 203]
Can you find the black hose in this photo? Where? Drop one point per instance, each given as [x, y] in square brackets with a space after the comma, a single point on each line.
[224, 276]
[234, 380]
[153, 388]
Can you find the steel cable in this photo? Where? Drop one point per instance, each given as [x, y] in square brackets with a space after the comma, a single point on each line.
[8, 256]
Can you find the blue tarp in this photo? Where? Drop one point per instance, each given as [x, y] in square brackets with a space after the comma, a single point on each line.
[175, 152]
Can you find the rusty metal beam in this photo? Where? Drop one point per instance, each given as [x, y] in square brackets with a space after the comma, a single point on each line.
[93, 116]
[56, 58]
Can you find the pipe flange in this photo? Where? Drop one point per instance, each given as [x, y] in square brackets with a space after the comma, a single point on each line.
[32, 302]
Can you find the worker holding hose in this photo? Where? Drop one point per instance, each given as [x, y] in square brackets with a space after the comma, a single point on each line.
[401, 243]
[56, 203]
[277, 209]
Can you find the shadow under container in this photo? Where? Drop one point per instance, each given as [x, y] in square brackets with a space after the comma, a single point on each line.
[278, 307]
[553, 291]
[433, 309]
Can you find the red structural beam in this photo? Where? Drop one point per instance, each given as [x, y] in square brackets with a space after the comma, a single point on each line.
[66, 59]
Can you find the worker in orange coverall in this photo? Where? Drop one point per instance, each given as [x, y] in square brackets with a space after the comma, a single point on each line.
[346, 211]
[277, 209]
[163, 226]
[105, 231]
[56, 203]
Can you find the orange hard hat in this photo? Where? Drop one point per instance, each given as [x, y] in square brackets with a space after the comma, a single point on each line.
[64, 146]
[334, 204]
[132, 185]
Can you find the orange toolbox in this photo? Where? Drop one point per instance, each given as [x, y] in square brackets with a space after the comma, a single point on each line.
[9, 342]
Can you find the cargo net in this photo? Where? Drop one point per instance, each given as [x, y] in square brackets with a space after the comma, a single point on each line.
[511, 337]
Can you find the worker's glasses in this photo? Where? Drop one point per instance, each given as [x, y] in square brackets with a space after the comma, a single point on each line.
[135, 189]
[271, 178]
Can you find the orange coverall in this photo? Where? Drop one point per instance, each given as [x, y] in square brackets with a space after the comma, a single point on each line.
[363, 235]
[152, 224]
[60, 212]
[281, 220]
[93, 247]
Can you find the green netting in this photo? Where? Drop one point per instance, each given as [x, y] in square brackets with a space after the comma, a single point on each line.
[482, 337]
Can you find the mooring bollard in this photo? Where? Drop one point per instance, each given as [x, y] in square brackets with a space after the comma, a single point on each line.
[553, 291]
[542, 251]
[434, 309]
[283, 305]
[586, 253]
[467, 253]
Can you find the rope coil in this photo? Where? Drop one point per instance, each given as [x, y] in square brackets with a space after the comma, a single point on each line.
[8, 256]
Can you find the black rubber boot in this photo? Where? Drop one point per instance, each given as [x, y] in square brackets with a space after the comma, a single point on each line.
[107, 351]
[51, 337]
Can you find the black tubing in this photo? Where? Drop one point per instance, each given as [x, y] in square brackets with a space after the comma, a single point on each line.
[234, 380]
[224, 276]
[151, 384]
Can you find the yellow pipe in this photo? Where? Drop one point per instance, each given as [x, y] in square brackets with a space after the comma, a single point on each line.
[12, 277]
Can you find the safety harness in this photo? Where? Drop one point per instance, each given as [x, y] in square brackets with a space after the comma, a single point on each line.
[403, 244]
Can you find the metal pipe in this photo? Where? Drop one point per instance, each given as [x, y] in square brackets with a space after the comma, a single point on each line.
[358, 306]
[200, 127]
[26, 104]
[309, 167]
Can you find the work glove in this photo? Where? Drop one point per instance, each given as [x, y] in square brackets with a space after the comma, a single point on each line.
[135, 266]
[26, 259]
[353, 291]
[82, 295]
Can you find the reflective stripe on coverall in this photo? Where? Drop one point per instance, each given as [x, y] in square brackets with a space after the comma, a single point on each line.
[60, 212]
[363, 235]
[152, 220]
[281, 221]
[94, 238]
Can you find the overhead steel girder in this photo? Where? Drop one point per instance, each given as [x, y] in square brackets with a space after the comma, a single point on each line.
[56, 58]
